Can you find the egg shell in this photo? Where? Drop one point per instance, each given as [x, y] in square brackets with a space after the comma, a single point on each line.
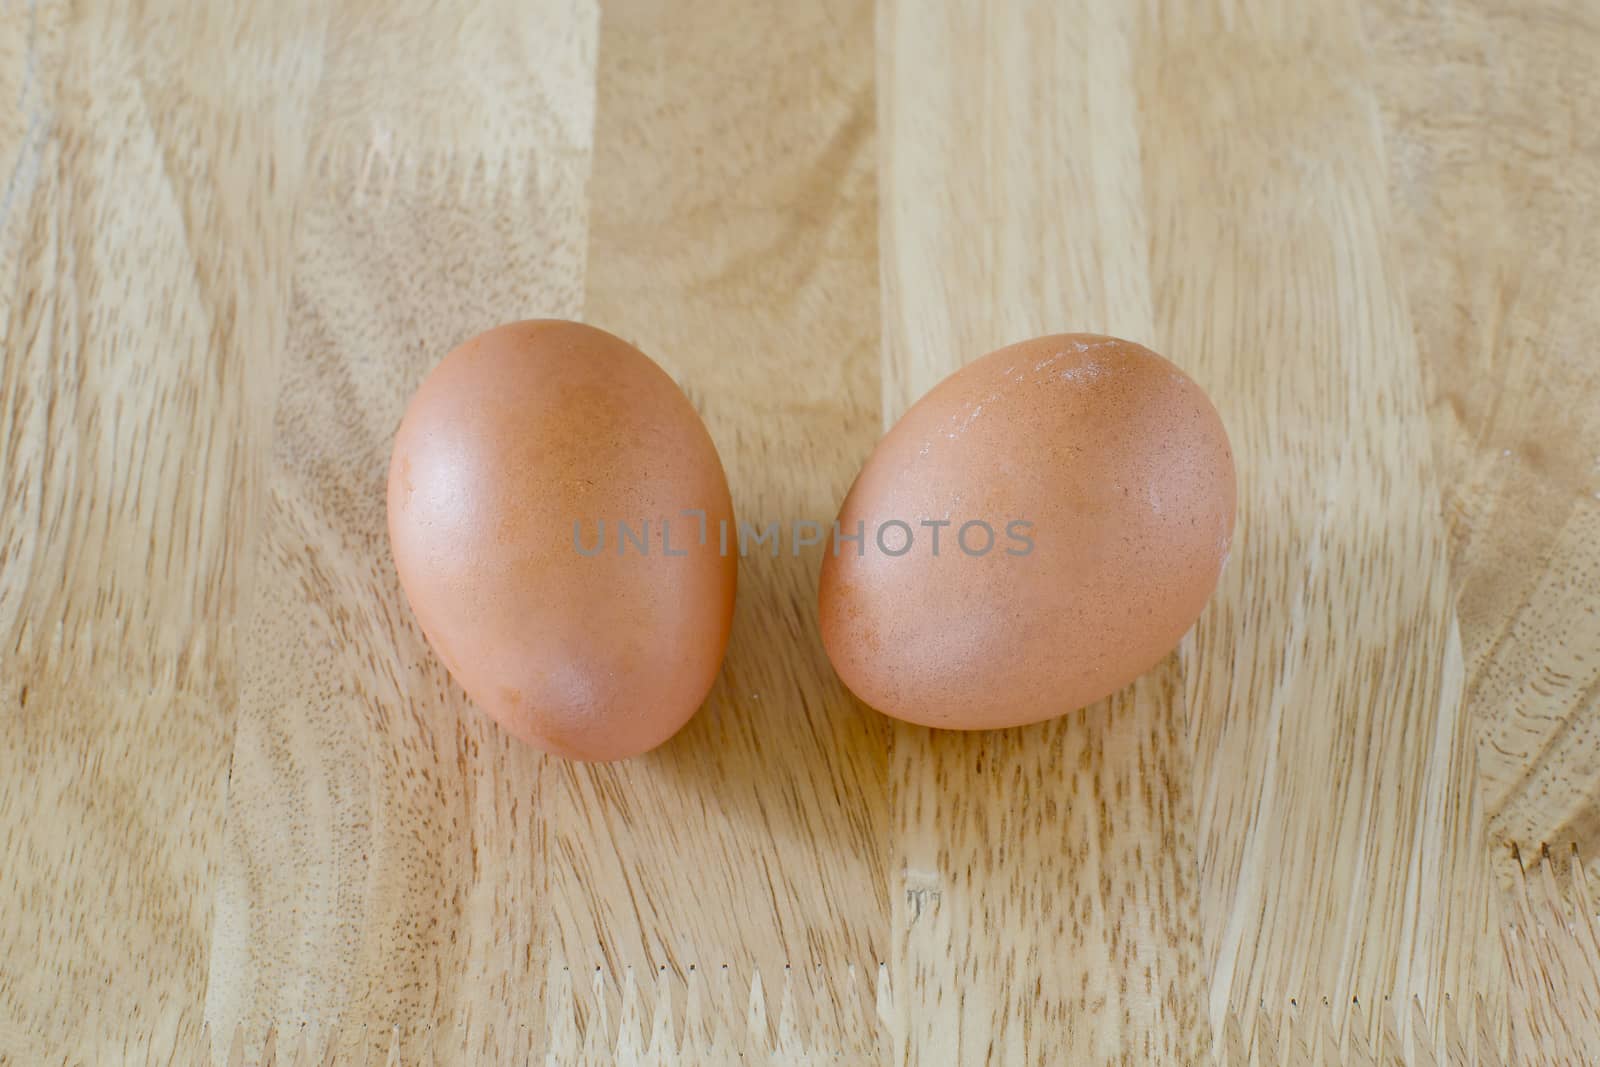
[1122, 467]
[517, 436]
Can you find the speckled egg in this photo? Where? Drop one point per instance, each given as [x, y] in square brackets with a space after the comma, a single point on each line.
[1036, 532]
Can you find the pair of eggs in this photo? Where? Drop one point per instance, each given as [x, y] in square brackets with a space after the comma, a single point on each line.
[1037, 531]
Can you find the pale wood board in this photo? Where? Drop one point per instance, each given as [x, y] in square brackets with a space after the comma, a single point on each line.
[1043, 880]
[1340, 839]
[732, 238]
[386, 860]
[1354, 836]
[143, 269]
[1495, 158]
[236, 788]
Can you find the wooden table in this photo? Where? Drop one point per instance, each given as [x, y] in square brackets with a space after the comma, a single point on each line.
[244, 810]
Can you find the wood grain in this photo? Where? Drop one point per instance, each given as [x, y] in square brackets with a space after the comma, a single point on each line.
[1489, 117]
[232, 242]
[1341, 842]
[383, 861]
[733, 240]
[1043, 882]
[1552, 945]
[142, 247]
[1324, 685]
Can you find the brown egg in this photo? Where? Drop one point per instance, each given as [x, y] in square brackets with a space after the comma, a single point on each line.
[537, 509]
[1104, 484]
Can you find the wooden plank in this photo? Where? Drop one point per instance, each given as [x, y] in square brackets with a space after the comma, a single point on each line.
[732, 211]
[384, 861]
[1042, 880]
[1552, 942]
[1489, 119]
[386, 874]
[142, 239]
[1340, 840]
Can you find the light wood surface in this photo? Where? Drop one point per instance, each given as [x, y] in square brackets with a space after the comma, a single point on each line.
[387, 853]
[1043, 879]
[144, 267]
[237, 791]
[732, 239]
[1340, 842]
[1489, 124]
